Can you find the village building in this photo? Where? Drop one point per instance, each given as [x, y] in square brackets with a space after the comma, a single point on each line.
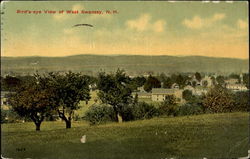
[198, 90]
[144, 95]
[207, 80]
[4, 100]
[232, 81]
[236, 87]
[159, 94]
[175, 86]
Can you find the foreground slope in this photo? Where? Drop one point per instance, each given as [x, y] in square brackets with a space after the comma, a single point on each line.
[210, 135]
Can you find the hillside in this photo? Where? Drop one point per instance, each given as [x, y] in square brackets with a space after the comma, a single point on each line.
[133, 64]
[209, 135]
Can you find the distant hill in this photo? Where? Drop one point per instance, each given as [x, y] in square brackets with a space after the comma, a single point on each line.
[133, 64]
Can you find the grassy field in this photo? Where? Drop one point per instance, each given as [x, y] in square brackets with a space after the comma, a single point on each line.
[210, 135]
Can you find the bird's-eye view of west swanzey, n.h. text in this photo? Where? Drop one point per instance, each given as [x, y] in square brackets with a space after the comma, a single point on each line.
[125, 80]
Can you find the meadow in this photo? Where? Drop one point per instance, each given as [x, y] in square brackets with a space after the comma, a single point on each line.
[210, 135]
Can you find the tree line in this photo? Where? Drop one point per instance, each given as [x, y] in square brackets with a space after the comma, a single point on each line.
[40, 96]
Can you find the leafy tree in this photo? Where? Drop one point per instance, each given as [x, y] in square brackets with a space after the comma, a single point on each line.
[204, 83]
[194, 83]
[187, 95]
[197, 76]
[114, 89]
[181, 80]
[213, 80]
[235, 76]
[246, 80]
[68, 91]
[152, 82]
[167, 83]
[169, 106]
[11, 83]
[241, 101]
[219, 99]
[137, 82]
[32, 101]
[220, 80]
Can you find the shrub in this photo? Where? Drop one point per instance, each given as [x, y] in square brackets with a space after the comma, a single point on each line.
[127, 112]
[241, 101]
[144, 110]
[190, 109]
[9, 116]
[169, 106]
[98, 114]
[218, 100]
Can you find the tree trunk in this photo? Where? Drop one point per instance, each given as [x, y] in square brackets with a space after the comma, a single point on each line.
[116, 115]
[38, 124]
[68, 124]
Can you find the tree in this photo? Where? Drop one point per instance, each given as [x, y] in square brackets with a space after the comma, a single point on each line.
[235, 76]
[219, 99]
[137, 82]
[204, 83]
[115, 90]
[169, 106]
[11, 83]
[152, 82]
[32, 101]
[167, 83]
[220, 80]
[68, 91]
[181, 80]
[198, 76]
[241, 101]
[246, 80]
[187, 95]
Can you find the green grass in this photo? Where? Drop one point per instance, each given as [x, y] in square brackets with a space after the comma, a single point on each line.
[210, 135]
[84, 107]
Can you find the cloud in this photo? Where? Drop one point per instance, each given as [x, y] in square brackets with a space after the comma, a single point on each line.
[197, 22]
[78, 7]
[242, 24]
[140, 24]
[144, 23]
[158, 26]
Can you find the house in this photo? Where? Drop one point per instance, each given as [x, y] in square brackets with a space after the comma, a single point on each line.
[4, 100]
[159, 94]
[175, 86]
[236, 87]
[207, 80]
[142, 95]
[232, 81]
[141, 89]
[198, 90]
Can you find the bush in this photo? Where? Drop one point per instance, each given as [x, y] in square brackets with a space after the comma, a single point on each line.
[190, 109]
[219, 100]
[9, 116]
[169, 106]
[98, 114]
[169, 110]
[127, 112]
[3, 116]
[241, 101]
[144, 110]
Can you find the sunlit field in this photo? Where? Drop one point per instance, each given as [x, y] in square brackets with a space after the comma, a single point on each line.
[210, 135]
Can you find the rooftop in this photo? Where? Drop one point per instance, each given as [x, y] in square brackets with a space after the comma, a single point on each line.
[162, 91]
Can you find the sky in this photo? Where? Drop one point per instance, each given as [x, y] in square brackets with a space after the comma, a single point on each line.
[134, 28]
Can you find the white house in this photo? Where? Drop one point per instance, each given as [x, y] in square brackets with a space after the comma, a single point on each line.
[236, 87]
